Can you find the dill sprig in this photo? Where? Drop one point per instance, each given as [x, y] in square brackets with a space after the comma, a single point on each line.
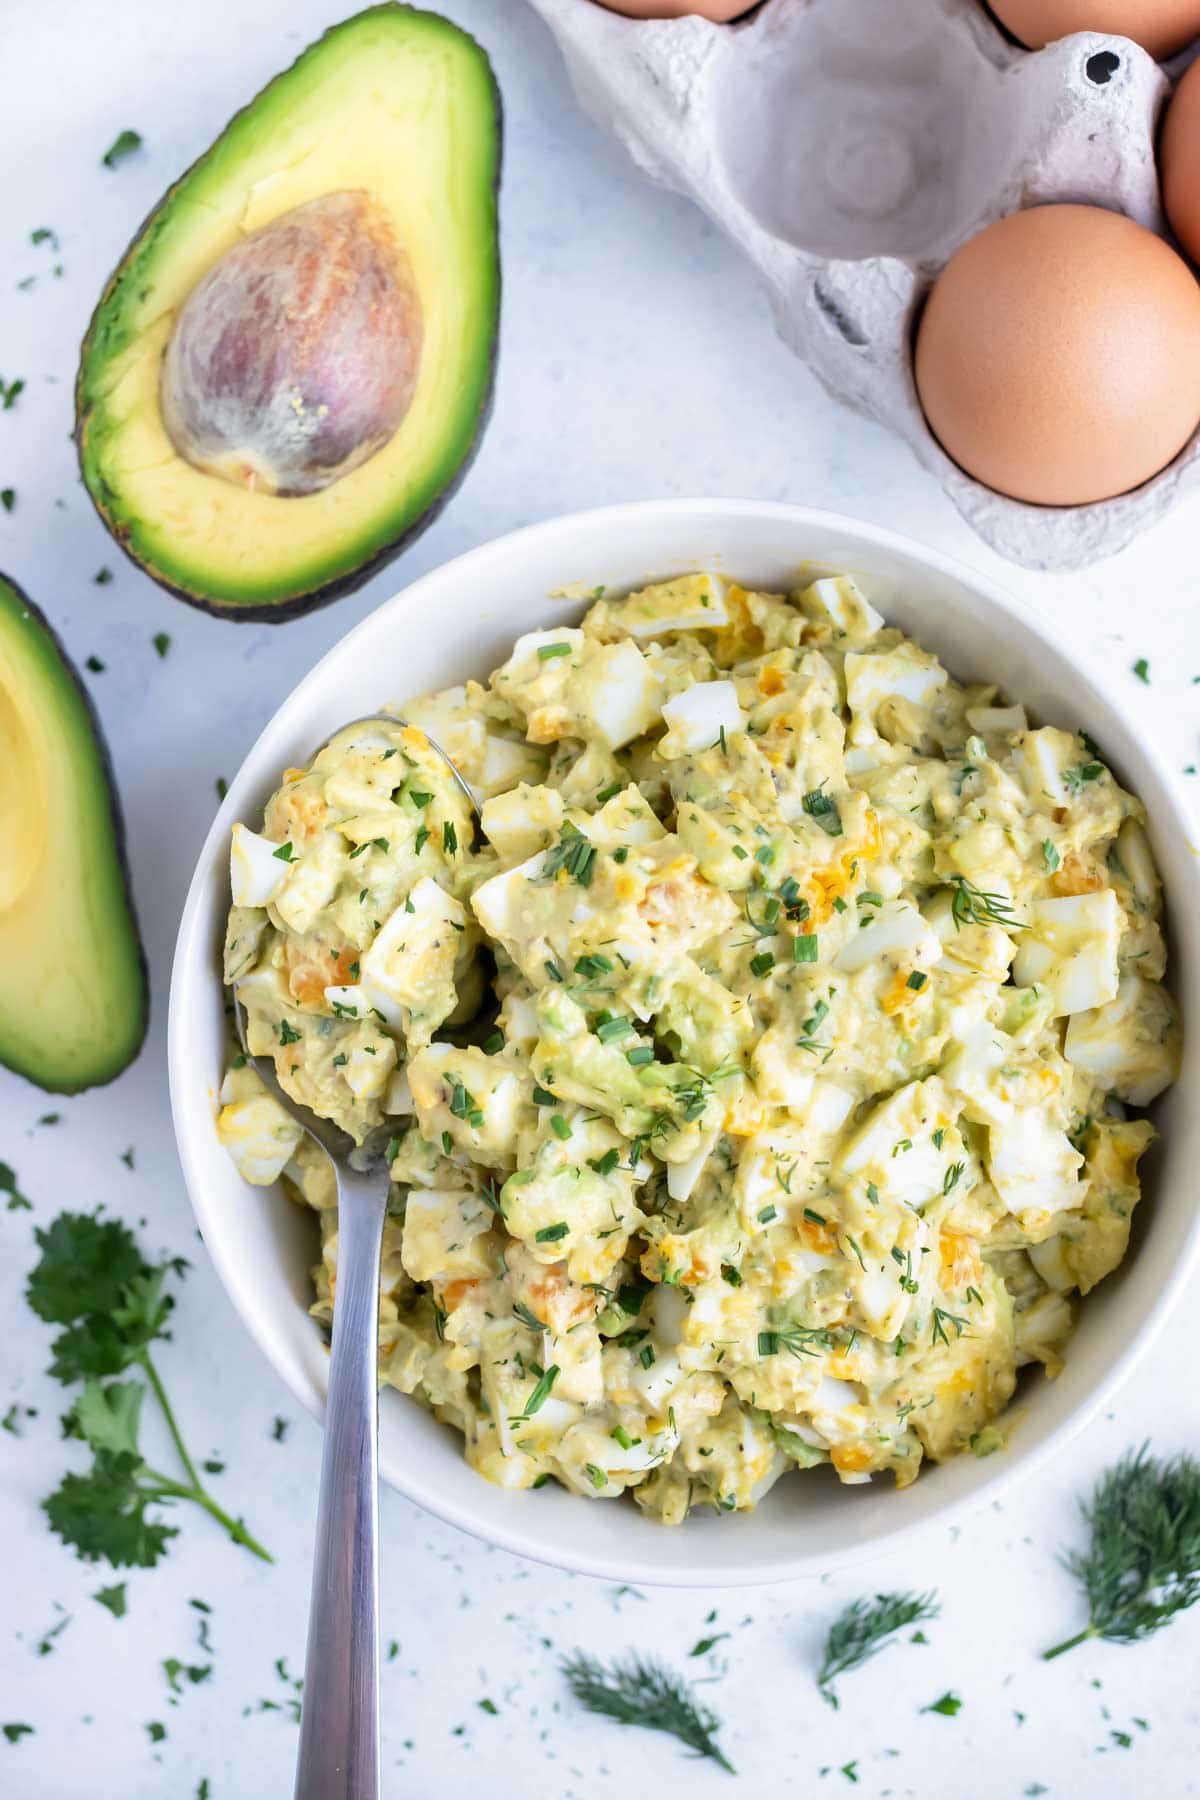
[640, 1690]
[971, 905]
[1142, 1565]
[866, 1626]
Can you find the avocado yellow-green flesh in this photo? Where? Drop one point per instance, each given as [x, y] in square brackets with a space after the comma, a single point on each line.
[72, 979]
[397, 102]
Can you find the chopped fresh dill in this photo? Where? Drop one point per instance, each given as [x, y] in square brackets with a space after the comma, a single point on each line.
[1142, 1563]
[865, 1627]
[640, 1690]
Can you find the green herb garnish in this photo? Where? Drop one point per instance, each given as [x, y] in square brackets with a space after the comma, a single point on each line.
[113, 1598]
[1142, 1565]
[93, 1280]
[572, 853]
[820, 807]
[541, 1392]
[970, 905]
[639, 1690]
[123, 145]
[865, 1627]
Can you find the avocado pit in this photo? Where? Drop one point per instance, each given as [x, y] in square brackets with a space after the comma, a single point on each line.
[295, 358]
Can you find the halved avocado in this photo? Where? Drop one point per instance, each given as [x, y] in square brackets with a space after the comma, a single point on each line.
[393, 117]
[74, 999]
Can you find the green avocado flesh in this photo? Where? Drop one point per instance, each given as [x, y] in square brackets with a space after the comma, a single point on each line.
[399, 108]
[73, 994]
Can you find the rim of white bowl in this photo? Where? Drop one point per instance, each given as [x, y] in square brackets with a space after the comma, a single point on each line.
[189, 1118]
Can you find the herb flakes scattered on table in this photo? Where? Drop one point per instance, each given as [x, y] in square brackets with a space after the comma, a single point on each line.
[123, 145]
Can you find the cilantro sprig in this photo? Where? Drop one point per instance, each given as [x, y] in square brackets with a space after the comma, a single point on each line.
[93, 1281]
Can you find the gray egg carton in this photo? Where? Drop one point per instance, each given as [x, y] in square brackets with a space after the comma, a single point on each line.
[849, 147]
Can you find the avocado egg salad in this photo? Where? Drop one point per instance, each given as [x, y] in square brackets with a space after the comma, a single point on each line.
[760, 1068]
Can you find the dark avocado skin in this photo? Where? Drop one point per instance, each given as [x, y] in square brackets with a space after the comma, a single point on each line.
[280, 611]
[104, 762]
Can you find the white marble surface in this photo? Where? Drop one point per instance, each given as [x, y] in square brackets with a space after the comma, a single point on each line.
[637, 359]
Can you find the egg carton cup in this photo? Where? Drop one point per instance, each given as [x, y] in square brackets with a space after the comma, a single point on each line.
[849, 147]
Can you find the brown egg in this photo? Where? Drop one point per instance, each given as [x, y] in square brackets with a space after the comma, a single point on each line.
[1058, 356]
[1179, 162]
[1159, 26]
[719, 11]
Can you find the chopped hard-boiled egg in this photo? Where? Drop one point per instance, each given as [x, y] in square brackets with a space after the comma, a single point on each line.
[256, 867]
[1070, 949]
[689, 603]
[753, 1070]
[408, 972]
[699, 717]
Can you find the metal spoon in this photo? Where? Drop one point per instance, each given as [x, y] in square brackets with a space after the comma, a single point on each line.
[339, 1722]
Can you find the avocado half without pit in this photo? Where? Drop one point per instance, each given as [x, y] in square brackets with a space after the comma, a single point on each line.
[289, 371]
[73, 992]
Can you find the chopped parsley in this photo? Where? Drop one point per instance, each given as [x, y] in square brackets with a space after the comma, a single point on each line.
[92, 1280]
[123, 145]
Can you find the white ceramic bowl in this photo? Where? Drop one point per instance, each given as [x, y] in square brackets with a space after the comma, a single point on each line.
[461, 620]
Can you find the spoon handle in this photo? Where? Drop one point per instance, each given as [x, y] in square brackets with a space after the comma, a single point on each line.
[339, 1726]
